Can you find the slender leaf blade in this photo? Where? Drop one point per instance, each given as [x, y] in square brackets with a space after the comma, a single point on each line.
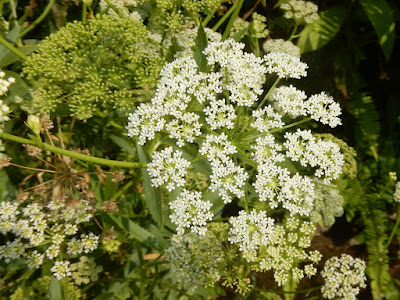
[152, 194]
[200, 45]
[381, 17]
[316, 35]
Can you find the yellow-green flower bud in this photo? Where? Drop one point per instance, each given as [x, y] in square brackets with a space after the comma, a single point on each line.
[33, 122]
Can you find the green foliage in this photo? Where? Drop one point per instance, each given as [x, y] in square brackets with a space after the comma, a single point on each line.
[376, 222]
[316, 35]
[105, 64]
[380, 14]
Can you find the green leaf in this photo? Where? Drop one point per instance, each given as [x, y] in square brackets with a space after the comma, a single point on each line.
[152, 194]
[123, 143]
[55, 290]
[200, 45]
[380, 14]
[7, 190]
[139, 233]
[316, 35]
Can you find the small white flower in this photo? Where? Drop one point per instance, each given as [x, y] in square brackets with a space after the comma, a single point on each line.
[228, 179]
[267, 150]
[323, 108]
[266, 119]
[145, 122]
[304, 12]
[61, 269]
[290, 100]
[184, 128]
[190, 211]
[217, 147]
[343, 277]
[251, 231]
[219, 114]
[89, 242]
[280, 45]
[285, 65]
[168, 167]
[396, 195]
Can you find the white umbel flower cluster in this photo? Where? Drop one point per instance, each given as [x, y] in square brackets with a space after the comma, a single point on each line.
[280, 45]
[303, 147]
[303, 12]
[51, 229]
[250, 231]
[206, 109]
[343, 277]
[287, 248]
[323, 108]
[190, 211]
[285, 65]
[168, 167]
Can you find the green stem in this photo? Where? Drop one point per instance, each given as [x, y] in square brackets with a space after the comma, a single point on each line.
[12, 48]
[396, 226]
[290, 125]
[114, 8]
[277, 129]
[84, 13]
[54, 149]
[14, 12]
[269, 92]
[121, 191]
[209, 17]
[232, 19]
[293, 32]
[38, 20]
[224, 17]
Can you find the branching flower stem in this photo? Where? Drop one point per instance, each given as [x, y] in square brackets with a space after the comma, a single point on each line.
[88, 158]
[269, 93]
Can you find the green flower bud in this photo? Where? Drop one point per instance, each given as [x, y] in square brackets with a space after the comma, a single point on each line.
[33, 122]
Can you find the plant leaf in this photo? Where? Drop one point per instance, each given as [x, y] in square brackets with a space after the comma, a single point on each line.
[152, 194]
[139, 233]
[380, 14]
[55, 291]
[200, 45]
[316, 35]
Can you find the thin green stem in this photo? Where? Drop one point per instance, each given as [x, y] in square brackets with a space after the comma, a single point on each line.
[84, 13]
[277, 129]
[396, 226]
[293, 32]
[12, 48]
[38, 20]
[121, 191]
[114, 8]
[232, 19]
[14, 12]
[290, 125]
[209, 17]
[269, 93]
[224, 17]
[88, 158]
